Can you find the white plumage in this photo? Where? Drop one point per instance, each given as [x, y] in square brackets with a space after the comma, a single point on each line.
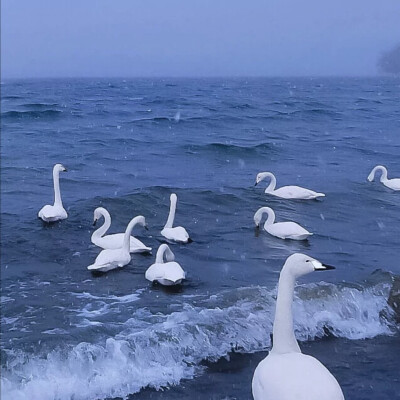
[116, 258]
[287, 192]
[282, 230]
[56, 212]
[113, 241]
[167, 273]
[286, 373]
[178, 233]
[393, 184]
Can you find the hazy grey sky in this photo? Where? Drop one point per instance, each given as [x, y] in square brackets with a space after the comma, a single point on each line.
[51, 38]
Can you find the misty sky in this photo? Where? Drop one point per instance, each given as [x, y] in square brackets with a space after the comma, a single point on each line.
[124, 38]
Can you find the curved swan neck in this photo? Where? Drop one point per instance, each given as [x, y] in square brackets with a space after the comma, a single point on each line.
[384, 172]
[128, 231]
[259, 214]
[101, 231]
[56, 182]
[171, 215]
[284, 340]
[164, 250]
[272, 184]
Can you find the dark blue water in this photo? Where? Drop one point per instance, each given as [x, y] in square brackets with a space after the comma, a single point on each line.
[128, 144]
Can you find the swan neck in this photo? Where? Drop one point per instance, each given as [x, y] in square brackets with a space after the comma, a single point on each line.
[162, 251]
[384, 176]
[127, 235]
[171, 215]
[160, 254]
[57, 193]
[272, 184]
[101, 231]
[284, 340]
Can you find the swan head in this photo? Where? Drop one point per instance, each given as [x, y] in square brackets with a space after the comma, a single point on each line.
[140, 220]
[261, 176]
[173, 198]
[259, 214]
[98, 213]
[299, 264]
[59, 168]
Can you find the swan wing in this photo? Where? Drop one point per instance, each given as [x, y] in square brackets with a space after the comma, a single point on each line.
[296, 192]
[116, 240]
[170, 271]
[110, 259]
[51, 213]
[288, 230]
[178, 234]
[294, 376]
[393, 184]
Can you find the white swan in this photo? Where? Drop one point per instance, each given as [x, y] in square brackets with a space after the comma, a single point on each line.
[177, 234]
[282, 230]
[286, 373]
[167, 273]
[286, 192]
[55, 212]
[390, 183]
[116, 258]
[115, 240]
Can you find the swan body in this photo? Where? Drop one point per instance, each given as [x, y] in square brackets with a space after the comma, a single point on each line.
[287, 192]
[56, 212]
[286, 373]
[117, 258]
[282, 230]
[167, 273]
[393, 184]
[178, 233]
[114, 241]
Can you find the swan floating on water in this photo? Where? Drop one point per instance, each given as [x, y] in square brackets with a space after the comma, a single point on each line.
[286, 192]
[286, 373]
[282, 230]
[167, 273]
[116, 258]
[177, 234]
[116, 240]
[393, 184]
[55, 212]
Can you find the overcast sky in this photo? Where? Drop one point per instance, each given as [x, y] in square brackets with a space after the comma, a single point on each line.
[65, 38]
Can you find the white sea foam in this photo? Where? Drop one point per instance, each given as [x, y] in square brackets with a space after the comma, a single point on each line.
[159, 350]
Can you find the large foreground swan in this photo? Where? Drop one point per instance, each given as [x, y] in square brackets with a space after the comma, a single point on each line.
[286, 192]
[282, 230]
[115, 240]
[167, 273]
[286, 373]
[55, 212]
[390, 183]
[116, 258]
[177, 234]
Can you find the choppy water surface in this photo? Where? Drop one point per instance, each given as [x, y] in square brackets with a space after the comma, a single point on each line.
[127, 144]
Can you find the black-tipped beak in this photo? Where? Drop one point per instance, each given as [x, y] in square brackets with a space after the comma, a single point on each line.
[146, 227]
[94, 222]
[65, 170]
[324, 267]
[256, 184]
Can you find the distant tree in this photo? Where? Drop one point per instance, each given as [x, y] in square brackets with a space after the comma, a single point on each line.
[390, 61]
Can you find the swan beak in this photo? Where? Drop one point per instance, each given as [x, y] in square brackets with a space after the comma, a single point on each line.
[94, 222]
[321, 267]
[256, 184]
[65, 170]
[146, 227]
